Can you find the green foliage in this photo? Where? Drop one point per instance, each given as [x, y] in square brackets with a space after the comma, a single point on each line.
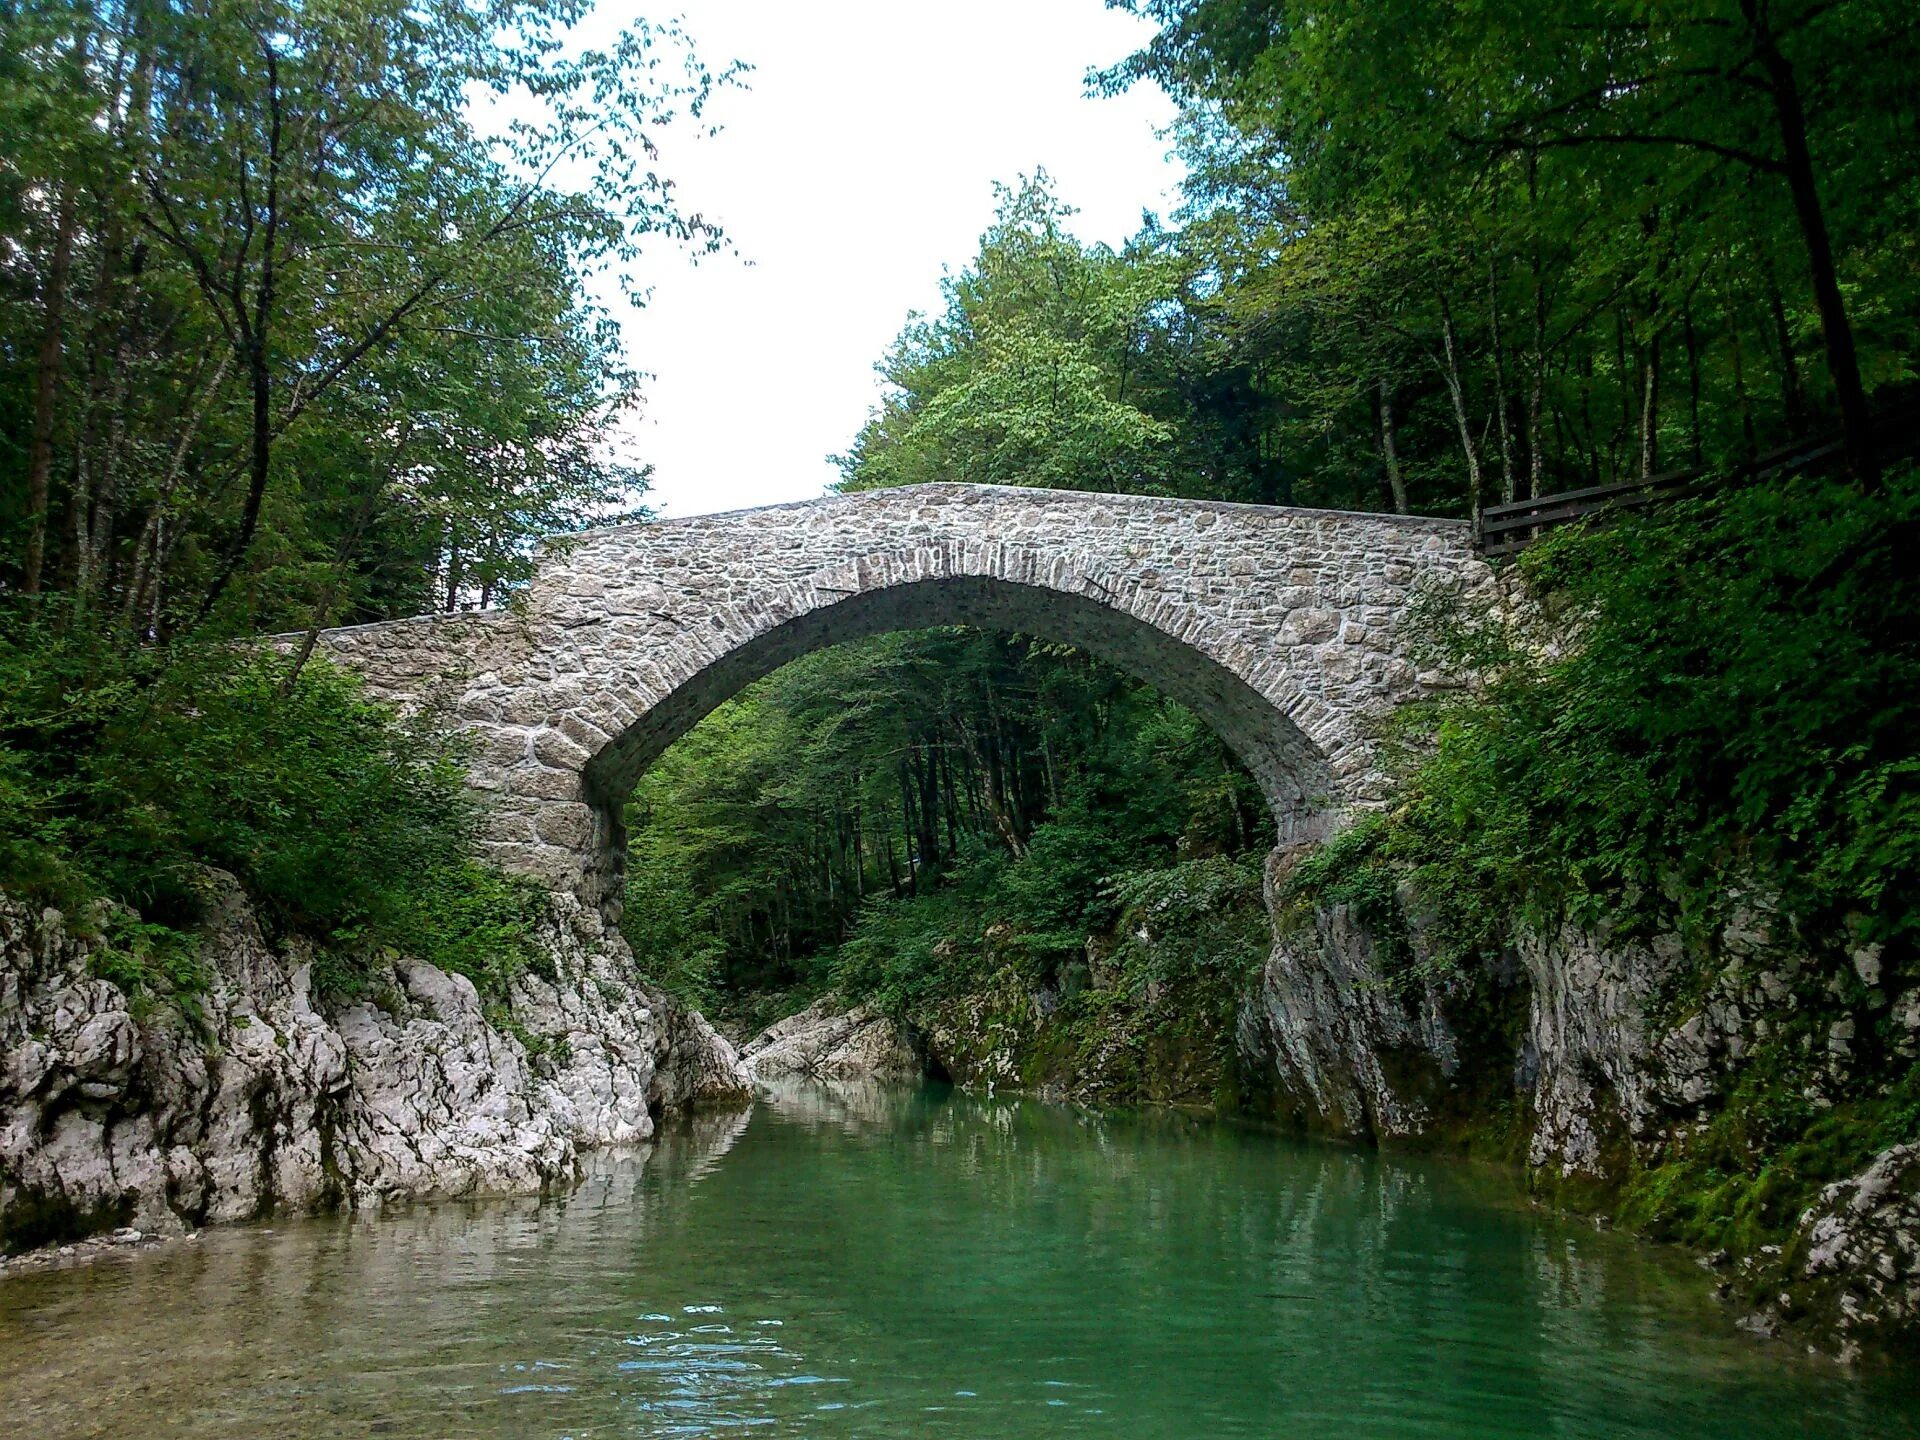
[910, 790]
[904, 955]
[1355, 869]
[460, 915]
[150, 961]
[1742, 699]
[130, 770]
[1201, 919]
[1473, 251]
[667, 924]
[1066, 365]
[1734, 721]
[1743, 1180]
[295, 330]
[295, 318]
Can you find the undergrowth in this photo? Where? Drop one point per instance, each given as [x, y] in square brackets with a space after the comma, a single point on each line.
[1690, 707]
[126, 771]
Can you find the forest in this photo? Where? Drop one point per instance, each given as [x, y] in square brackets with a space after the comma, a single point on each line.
[288, 339]
[1428, 262]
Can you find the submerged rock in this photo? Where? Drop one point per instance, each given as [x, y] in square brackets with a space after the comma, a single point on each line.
[826, 1042]
[256, 1097]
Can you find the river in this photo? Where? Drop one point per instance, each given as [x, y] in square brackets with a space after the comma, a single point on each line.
[926, 1264]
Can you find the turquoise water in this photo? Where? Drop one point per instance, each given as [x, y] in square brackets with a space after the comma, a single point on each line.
[874, 1263]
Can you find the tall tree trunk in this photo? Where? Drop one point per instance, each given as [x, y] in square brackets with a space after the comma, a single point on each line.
[927, 808]
[950, 804]
[1742, 400]
[1695, 449]
[100, 533]
[916, 857]
[1459, 395]
[1586, 415]
[46, 381]
[1836, 331]
[1627, 420]
[78, 563]
[99, 537]
[1537, 355]
[1389, 454]
[1650, 409]
[153, 538]
[255, 330]
[1500, 387]
[1793, 395]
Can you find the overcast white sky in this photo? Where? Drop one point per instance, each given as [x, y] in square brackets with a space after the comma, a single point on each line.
[859, 161]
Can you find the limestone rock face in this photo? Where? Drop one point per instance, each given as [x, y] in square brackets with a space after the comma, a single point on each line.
[826, 1042]
[1570, 1025]
[1603, 1072]
[1611, 1051]
[1860, 1247]
[1351, 1053]
[254, 1099]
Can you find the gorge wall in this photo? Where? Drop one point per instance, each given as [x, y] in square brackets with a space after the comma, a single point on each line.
[1721, 1089]
[1724, 1096]
[256, 1096]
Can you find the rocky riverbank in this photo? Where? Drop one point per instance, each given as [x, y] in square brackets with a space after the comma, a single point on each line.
[829, 1041]
[256, 1096]
[1726, 1100]
[1726, 1094]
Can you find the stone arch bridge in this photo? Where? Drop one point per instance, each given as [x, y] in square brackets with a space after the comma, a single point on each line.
[1281, 627]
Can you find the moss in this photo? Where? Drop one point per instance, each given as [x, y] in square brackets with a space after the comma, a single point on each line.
[542, 1050]
[1742, 1181]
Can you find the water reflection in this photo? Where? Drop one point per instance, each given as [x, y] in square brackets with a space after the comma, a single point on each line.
[859, 1261]
[853, 1106]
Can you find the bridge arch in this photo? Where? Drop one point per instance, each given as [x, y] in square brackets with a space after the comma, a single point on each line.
[995, 588]
[1278, 627]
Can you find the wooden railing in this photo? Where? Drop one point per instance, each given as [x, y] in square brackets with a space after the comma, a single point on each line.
[1508, 528]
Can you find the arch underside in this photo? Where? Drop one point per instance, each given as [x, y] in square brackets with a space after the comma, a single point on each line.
[1292, 771]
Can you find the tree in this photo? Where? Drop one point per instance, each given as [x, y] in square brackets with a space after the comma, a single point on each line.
[255, 224]
[1646, 210]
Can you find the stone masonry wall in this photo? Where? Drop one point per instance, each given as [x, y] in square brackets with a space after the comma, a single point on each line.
[1281, 627]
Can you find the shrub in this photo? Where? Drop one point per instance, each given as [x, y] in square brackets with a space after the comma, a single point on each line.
[1716, 699]
[1203, 920]
[124, 771]
[908, 953]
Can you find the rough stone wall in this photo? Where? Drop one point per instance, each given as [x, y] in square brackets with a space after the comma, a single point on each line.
[258, 1099]
[1279, 626]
